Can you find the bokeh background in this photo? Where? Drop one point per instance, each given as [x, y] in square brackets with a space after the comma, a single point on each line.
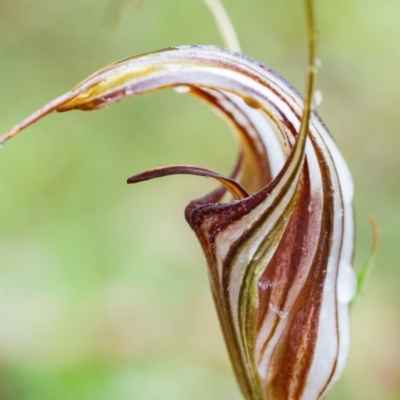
[103, 287]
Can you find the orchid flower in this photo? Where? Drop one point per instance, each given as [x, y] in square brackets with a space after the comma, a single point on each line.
[278, 233]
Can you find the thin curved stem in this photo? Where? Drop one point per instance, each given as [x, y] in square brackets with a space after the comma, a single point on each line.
[224, 24]
[311, 66]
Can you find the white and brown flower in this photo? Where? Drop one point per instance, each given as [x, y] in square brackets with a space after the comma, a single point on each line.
[277, 235]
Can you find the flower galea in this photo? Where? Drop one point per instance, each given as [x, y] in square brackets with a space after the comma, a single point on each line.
[278, 233]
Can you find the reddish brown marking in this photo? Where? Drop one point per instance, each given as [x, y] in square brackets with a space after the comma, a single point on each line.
[292, 359]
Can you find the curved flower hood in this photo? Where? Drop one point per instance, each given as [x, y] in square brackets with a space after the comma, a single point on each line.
[279, 253]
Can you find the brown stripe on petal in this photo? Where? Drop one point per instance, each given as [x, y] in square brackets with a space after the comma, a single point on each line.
[255, 156]
[207, 221]
[285, 273]
[210, 220]
[293, 357]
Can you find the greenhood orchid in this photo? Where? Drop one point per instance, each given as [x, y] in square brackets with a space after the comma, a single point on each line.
[278, 234]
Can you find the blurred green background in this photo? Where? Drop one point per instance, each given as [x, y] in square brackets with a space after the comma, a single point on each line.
[103, 286]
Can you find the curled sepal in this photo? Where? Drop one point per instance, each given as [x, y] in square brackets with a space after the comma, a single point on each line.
[280, 255]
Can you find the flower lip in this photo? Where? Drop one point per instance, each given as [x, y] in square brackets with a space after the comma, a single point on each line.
[234, 187]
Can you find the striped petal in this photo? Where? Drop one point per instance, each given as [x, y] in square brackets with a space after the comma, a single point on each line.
[280, 252]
